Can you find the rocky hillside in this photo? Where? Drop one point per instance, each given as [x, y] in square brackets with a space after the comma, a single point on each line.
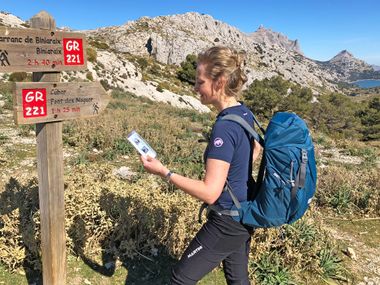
[115, 71]
[7, 19]
[169, 39]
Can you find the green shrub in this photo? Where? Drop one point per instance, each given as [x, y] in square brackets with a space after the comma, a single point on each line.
[341, 199]
[143, 63]
[105, 84]
[25, 130]
[348, 190]
[266, 97]
[159, 88]
[81, 158]
[188, 69]
[370, 119]
[117, 105]
[89, 76]
[8, 99]
[155, 69]
[331, 265]
[326, 118]
[99, 45]
[269, 270]
[18, 76]
[3, 139]
[91, 54]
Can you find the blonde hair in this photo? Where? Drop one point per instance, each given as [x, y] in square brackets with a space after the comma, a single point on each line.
[225, 61]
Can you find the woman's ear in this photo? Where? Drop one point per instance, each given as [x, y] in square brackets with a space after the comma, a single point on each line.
[220, 83]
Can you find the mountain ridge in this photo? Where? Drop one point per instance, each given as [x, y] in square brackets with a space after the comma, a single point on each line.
[169, 39]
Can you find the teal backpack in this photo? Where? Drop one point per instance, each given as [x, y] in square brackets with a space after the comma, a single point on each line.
[287, 176]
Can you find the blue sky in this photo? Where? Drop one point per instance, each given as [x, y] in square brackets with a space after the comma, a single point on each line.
[323, 27]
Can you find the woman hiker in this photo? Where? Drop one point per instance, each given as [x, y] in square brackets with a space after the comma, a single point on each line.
[219, 80]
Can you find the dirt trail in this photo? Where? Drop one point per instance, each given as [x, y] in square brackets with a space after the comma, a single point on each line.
[366, 248]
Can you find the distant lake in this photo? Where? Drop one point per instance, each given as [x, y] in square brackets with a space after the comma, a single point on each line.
[368, 83]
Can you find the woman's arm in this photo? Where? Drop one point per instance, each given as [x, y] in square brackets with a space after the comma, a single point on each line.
[207, 190]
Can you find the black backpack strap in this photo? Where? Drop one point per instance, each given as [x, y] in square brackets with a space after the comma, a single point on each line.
[227, 188]
[258, 124]
[201, 209]
[260, 178]
[246, 126]
[219, 210]
[301, 175]
[257, 137]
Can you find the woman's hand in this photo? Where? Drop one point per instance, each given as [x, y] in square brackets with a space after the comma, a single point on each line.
[154, 166]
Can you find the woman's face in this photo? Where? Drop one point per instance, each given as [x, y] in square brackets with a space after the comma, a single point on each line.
[204, 86]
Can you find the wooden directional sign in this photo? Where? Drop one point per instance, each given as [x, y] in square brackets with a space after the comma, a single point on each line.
[41, 102]
[32, 50]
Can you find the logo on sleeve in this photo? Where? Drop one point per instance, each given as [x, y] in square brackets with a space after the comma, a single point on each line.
[218, 142]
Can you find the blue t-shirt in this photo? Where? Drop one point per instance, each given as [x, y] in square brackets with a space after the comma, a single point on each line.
[231, 143]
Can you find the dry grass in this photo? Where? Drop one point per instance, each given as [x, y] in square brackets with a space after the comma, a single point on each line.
[112, 219]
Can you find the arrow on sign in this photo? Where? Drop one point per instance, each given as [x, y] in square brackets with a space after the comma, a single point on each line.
[42, 102]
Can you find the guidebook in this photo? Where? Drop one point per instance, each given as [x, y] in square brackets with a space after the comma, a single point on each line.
[140, 144]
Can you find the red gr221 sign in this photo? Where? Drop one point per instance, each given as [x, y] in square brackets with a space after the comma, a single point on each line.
[34, 103]
[73, 51]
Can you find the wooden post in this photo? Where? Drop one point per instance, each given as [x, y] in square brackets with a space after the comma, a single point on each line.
[50, 177]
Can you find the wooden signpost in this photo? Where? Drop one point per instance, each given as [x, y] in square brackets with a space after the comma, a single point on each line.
[41, 50]
[46, 102]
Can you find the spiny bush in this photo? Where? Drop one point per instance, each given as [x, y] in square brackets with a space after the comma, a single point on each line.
[143, 63]
[278, 256]
[8, 101]
[269, 270]
[353, 191]
[109, 217]
[19, 224]
[107, 131]
[103, 215]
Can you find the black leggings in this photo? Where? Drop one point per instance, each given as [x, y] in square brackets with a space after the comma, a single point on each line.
[221, 239]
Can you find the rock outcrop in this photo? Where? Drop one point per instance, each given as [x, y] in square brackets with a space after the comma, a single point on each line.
[346, 66]
[268, 37]
[9, 20]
